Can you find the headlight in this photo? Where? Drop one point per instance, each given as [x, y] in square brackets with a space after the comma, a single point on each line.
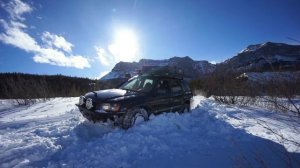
[89, 103]
[115, 107]
[81, 100]
[110, 107]
[106, 106]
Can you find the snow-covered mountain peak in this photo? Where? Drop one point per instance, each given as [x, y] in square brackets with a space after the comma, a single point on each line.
[252, 48]
[267, 56]
[255, 47]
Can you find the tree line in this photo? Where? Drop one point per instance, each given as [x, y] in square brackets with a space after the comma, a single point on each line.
[30, 86]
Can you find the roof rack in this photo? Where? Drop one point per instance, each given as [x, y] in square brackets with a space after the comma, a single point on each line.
[169, 71]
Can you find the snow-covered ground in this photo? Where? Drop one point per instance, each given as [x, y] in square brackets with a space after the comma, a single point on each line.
[54, 134]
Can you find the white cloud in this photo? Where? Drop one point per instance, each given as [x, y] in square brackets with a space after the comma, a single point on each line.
[16, 8]
[102, 56]
[14, 35]
[56, 41]
[56, 57]
[18, 24]
[53, 53]
[103, 74]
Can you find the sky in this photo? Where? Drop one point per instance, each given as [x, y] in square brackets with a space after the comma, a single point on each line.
[86, 38]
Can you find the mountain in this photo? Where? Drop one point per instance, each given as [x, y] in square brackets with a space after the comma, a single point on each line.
[265, 57]
[191, 68]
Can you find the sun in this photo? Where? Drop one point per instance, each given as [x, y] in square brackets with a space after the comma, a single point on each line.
[125, 46]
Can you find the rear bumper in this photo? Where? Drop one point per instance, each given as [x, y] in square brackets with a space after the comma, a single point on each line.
[94, 115]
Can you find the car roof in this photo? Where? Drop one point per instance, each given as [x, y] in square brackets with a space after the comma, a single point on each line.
[166, 72]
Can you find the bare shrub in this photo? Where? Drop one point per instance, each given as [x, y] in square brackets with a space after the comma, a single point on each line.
[25, 101]
[278, 93]
[282, 94]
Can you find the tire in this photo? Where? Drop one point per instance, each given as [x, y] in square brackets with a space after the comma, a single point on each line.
[134, 115]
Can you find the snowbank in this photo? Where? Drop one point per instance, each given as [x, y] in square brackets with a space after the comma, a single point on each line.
[53, 134]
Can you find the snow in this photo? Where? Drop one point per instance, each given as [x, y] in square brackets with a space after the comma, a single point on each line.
[54, 134]
[6, 104]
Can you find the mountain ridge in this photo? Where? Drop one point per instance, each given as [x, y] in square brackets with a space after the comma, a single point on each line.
[268, 56]
[191, 68]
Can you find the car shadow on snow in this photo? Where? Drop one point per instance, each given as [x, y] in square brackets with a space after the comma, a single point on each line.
[248, 150]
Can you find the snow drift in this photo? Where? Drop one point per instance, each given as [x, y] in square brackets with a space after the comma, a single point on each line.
[53, 134]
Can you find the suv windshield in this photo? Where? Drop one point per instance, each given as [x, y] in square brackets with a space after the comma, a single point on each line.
[140, 84]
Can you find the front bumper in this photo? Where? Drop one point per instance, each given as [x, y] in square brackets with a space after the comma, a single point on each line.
[99, 115]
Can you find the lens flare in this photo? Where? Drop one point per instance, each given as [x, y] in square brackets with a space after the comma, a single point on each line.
[125, 46]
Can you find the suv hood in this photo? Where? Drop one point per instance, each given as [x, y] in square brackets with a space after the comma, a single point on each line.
[103, 95]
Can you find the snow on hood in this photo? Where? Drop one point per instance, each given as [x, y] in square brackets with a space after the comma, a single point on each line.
[108, 94]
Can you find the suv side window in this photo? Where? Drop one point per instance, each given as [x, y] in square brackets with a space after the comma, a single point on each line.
[163, 86]
[150, 81]
[175, 87]
[186, 86]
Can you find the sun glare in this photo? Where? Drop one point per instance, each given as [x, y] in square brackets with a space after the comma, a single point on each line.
[125, 46]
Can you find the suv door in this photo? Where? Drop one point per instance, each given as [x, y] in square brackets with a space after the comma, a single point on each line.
[161, 101]
[177, 94]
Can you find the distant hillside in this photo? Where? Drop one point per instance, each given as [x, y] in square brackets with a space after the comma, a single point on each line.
[28, 86]
[191, 68]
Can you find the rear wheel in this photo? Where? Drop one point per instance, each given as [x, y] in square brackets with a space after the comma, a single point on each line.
[134, 116]
[185, 108]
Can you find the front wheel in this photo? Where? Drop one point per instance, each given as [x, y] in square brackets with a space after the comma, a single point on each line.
[134, 116]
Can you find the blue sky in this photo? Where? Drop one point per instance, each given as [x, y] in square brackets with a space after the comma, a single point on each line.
[87, 37]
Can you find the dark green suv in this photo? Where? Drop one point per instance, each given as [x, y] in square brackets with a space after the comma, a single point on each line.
[136, 99]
